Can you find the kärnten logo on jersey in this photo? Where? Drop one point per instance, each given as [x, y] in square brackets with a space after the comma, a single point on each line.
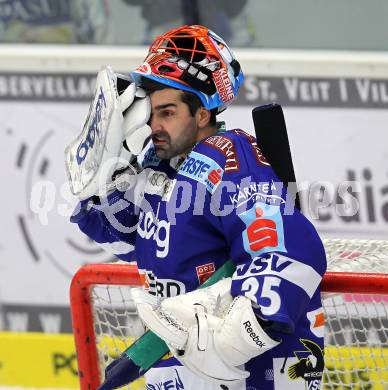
[265, 192]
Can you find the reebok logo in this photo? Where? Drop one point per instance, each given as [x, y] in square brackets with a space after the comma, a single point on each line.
[255, 338]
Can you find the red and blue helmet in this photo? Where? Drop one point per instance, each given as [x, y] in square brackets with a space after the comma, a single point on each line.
[195, 59]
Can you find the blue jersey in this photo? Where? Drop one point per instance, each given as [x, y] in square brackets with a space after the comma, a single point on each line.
[184, 218]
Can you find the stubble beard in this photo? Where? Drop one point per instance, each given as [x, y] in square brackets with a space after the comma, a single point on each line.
[175, 148]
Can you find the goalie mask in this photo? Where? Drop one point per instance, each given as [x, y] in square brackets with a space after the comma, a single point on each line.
[194, 59]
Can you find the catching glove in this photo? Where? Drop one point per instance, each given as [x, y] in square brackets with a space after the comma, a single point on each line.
[119, 112]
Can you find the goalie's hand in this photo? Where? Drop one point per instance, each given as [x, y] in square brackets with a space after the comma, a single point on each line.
[119, 112]
[208, 331]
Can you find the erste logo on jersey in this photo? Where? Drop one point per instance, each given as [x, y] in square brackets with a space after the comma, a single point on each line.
[226, 147]
[264, 229]
[202, 169]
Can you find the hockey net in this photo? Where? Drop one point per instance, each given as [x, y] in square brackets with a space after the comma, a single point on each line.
[355, 301]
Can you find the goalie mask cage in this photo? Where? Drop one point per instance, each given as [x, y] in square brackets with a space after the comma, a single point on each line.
[354, 297]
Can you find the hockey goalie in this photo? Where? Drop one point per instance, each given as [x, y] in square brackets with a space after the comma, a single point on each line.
[163, 182]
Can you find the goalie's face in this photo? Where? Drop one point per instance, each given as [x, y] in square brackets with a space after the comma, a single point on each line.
[174, 130]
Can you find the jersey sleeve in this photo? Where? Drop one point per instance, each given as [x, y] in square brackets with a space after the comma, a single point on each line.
[278, 254]
[110, 222]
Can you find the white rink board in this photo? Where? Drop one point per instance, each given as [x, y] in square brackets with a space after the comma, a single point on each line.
[330, 144]
[40, 251]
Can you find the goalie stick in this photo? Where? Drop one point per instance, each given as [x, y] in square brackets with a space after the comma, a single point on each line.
[272, 138]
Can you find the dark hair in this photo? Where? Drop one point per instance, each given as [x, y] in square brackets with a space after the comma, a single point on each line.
[189, 98]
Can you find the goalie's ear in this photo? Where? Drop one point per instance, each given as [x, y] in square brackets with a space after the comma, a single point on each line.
[203, 117]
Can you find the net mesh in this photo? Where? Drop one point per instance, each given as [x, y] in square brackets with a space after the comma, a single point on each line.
[345, 255]
[356, 325]
[116, 324]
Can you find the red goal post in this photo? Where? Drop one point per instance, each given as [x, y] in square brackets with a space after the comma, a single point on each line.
[355, 300]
